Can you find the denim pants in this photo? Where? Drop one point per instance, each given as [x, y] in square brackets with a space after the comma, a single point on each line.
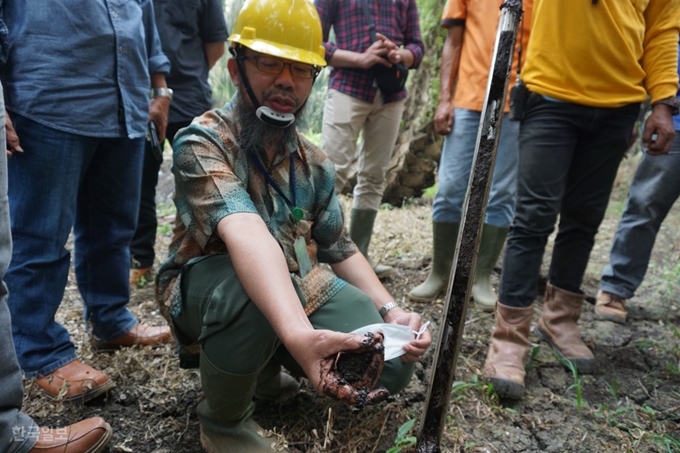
[344, 118]
[455, 167]
[568, 159]
[18, 432]
[144, 239]
[655, 187]
[63, 181]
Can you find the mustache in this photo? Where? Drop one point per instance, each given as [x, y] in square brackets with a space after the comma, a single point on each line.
[282, 93]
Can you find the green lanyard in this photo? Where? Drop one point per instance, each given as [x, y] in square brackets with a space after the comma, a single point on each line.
[297, 212]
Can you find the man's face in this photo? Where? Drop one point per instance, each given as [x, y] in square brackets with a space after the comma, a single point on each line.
[283, 92]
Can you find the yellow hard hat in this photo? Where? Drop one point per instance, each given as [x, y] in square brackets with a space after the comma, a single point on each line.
[289, 29]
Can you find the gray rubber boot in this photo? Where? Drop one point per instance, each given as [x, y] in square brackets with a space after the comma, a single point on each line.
[493, 239]
[444, 237]
[360, 230]
[224, 413]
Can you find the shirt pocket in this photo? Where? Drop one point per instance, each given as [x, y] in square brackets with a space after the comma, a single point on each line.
[185, 16]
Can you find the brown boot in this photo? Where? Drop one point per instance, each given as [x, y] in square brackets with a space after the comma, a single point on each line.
[509, 350]
[557, 326]
[88, 436]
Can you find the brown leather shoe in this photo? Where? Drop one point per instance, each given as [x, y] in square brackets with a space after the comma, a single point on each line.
[88, 436]
[611, 307]
[75, 381]
[509, 350]
[557, 326]
[140, 334]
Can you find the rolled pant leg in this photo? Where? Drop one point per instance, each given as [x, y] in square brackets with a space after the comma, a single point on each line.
[655, 187]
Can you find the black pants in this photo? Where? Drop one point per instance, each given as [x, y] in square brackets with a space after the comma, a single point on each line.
[568, 160]
[141, 246]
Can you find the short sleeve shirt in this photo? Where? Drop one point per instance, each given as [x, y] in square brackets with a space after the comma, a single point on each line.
[480, 18]
[184, 26]
[215, 178]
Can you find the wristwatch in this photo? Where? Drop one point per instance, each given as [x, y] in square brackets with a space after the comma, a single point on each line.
[387, 307]
[672, 102]
[161, 92]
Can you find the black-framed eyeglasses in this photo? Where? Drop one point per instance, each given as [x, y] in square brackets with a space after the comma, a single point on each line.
[271, 65]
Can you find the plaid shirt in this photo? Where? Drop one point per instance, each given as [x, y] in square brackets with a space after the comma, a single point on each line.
[396, 19]
[215, 178]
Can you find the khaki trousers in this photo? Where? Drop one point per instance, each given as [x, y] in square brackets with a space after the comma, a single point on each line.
[344, 118]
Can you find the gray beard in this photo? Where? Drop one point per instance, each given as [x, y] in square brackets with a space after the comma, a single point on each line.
[257, 135]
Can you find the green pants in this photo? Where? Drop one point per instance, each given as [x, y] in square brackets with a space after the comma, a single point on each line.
[236, 337]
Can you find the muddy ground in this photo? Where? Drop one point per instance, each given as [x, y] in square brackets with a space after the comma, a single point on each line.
[631, 404]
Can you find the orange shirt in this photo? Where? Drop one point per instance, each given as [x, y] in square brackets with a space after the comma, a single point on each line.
[480, 18]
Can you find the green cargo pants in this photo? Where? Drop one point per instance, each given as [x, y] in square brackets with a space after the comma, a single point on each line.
[238, 340]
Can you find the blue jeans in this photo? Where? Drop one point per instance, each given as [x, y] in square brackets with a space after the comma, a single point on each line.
[65, 181]
[568, 159]
[17, 430]
[655, 187]
[455, 166]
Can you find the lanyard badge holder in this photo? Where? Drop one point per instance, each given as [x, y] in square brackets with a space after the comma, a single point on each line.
[297, 213]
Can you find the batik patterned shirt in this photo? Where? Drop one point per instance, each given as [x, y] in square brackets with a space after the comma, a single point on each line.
[215, 178]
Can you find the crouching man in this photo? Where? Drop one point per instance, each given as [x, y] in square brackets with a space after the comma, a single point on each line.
[256, 215]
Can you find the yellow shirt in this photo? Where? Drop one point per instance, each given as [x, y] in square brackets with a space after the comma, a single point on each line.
[480, 18]
[605, 55]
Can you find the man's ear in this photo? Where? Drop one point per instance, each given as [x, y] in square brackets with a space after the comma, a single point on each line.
[232, 66]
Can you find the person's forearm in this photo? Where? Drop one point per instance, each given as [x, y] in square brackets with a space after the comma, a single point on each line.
[213, 52]
[158, 80]
[450, 62]
[345, 59]
[356, 271]
[262, 270]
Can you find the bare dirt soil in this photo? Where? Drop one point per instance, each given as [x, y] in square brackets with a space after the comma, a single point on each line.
[631, 404]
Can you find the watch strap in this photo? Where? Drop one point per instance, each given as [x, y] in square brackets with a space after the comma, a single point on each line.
[161, 92]
[387, 307]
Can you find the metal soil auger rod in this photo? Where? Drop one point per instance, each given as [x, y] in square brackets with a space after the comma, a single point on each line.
[460, 284]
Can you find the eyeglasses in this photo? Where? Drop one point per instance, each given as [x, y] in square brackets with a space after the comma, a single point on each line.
[272, 65]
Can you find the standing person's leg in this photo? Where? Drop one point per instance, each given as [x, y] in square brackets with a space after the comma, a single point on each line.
[548, 139]
[499, 213]
[105, 222]
[589, 184]
[381, 130]
[343, 118]
[655, 187]
[43, 185]
[453, 176]
[14, 424]
[144, 239]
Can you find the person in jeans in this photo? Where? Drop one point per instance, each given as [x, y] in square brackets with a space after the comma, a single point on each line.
[81, 118]
[18, 432]
[655, 187]
[466, 56]
[192, 36]
[355, 105]
[579, 116]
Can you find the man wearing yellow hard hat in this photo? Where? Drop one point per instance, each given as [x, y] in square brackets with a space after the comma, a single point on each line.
[257, 215]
